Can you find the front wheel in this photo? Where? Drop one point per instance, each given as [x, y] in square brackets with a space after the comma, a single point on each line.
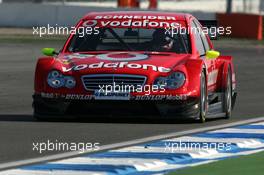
[227, 99]
[203, 99]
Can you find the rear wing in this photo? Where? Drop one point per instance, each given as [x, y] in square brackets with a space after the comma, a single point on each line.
[210, 28]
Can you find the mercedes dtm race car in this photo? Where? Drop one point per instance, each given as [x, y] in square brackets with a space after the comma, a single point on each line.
[136, 59]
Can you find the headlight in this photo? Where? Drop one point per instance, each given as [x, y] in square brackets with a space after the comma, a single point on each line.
[173, 81]
[56, 80]
[161, 82]
[70, 82]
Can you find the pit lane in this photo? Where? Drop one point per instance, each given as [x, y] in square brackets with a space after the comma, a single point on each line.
[18, 129]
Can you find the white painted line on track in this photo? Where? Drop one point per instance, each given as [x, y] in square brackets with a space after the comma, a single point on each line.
[56, 172]
[204, 139]
[235, 130]
[112, 161]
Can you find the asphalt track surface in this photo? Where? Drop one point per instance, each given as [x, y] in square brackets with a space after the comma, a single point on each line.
[18, 129]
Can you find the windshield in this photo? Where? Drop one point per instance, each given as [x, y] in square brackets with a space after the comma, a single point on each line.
[128, 39]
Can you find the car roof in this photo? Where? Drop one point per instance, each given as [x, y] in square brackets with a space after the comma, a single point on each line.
[178, 16]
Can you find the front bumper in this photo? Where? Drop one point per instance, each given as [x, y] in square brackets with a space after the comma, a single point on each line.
[172, 107]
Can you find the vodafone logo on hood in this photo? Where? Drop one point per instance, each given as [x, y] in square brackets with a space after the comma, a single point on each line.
[119, 60]
[122, 56]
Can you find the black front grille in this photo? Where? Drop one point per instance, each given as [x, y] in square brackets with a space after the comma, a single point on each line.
[94, 82]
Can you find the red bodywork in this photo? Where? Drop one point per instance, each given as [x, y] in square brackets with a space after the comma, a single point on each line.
[190, 64]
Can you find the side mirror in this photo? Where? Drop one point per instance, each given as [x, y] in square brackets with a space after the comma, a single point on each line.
[212, 54]
[49, 51]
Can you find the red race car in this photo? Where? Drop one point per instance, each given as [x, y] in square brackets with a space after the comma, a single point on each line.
[136, 60]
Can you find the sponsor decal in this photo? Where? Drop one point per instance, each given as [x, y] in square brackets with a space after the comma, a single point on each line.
[150, 17]
[111, 95]
[67, 96]
[160, 97]
[78, 97]
[67, 59]
[122, 56]
[132, 21]
[78, 56]
[117, 65]
[63, 61]
[116, 96]
[89, 23]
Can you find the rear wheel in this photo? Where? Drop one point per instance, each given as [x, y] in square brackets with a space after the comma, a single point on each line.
[227, 100]
[203, 99]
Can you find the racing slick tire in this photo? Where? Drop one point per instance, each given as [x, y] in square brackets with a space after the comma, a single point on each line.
[227, 96]
[203, 103]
